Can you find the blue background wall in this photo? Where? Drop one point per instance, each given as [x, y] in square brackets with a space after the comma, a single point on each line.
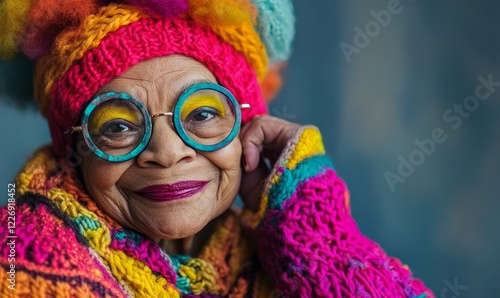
[442, 220]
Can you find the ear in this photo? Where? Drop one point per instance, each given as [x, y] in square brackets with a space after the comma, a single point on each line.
[271, 84]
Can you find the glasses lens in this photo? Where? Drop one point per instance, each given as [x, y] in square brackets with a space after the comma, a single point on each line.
[116, 126]
[207, 116]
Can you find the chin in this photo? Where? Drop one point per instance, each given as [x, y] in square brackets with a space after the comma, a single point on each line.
[178, 222]
[177, 229]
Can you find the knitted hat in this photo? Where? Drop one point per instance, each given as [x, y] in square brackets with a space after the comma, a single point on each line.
[80, 45]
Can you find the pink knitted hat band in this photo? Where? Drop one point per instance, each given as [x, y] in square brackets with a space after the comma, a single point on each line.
[121, 49]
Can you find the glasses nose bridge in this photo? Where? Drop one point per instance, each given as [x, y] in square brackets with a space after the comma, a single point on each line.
[170, 122]
[162, 114]
[165, 114]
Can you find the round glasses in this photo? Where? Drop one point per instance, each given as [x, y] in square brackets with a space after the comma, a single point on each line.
[117, 127]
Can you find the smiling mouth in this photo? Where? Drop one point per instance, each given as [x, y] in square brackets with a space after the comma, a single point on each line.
[172, 192]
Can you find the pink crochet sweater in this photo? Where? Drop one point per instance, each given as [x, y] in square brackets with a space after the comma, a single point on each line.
[302, 242]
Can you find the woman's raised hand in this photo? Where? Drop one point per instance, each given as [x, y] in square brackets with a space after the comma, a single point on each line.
[263, 137]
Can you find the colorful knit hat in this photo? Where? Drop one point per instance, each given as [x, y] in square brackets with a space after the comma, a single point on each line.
[80, 45]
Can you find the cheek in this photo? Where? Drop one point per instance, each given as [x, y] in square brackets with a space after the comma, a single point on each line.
[227, 159]
[100, 176]
[228, 162]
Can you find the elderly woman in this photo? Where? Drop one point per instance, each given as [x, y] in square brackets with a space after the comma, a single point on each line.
[157, 111]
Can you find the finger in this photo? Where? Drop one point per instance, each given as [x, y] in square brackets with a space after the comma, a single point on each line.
[252, 138]
[265, 133]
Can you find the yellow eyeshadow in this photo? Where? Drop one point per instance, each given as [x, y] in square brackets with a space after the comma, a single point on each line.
[202, 100]
[101, 116]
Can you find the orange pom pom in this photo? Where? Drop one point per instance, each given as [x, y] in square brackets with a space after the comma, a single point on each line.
[273, 81]
[222, 13]
[47, 18]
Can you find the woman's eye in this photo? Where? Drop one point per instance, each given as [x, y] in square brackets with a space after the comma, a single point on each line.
[117, 126]
[203, 114]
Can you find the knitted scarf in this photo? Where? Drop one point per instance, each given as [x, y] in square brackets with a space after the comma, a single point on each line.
[71, 248]
[305, 238]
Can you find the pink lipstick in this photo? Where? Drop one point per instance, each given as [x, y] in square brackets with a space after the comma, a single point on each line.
[171, 192]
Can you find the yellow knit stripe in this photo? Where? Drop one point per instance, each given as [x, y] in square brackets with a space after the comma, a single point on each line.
[71, 45]
[35, 171]
[246, 40]
[201, 274]
[138, 276]
[66, 202]
[310, 143]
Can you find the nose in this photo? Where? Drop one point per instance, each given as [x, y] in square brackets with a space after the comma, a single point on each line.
[165, 148]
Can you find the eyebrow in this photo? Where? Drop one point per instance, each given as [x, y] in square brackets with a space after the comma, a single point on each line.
[189, 84]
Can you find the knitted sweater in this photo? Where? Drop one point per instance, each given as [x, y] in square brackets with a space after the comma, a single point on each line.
[301, 243]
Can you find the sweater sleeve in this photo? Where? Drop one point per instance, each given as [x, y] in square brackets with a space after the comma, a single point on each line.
[307, 240]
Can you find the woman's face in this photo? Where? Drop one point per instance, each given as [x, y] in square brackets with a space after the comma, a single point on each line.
[197, 186]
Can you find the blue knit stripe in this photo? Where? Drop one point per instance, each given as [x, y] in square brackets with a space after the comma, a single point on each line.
[290, 179]
[86, 223]
[182, 283]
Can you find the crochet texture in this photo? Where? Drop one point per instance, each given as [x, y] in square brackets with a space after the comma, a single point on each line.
[307, 244]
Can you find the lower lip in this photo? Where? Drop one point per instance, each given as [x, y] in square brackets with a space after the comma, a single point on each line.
[177, 191]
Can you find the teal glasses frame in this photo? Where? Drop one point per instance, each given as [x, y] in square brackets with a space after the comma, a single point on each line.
[176, 120]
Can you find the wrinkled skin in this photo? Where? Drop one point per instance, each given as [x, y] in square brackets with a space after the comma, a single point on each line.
[157, 83]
